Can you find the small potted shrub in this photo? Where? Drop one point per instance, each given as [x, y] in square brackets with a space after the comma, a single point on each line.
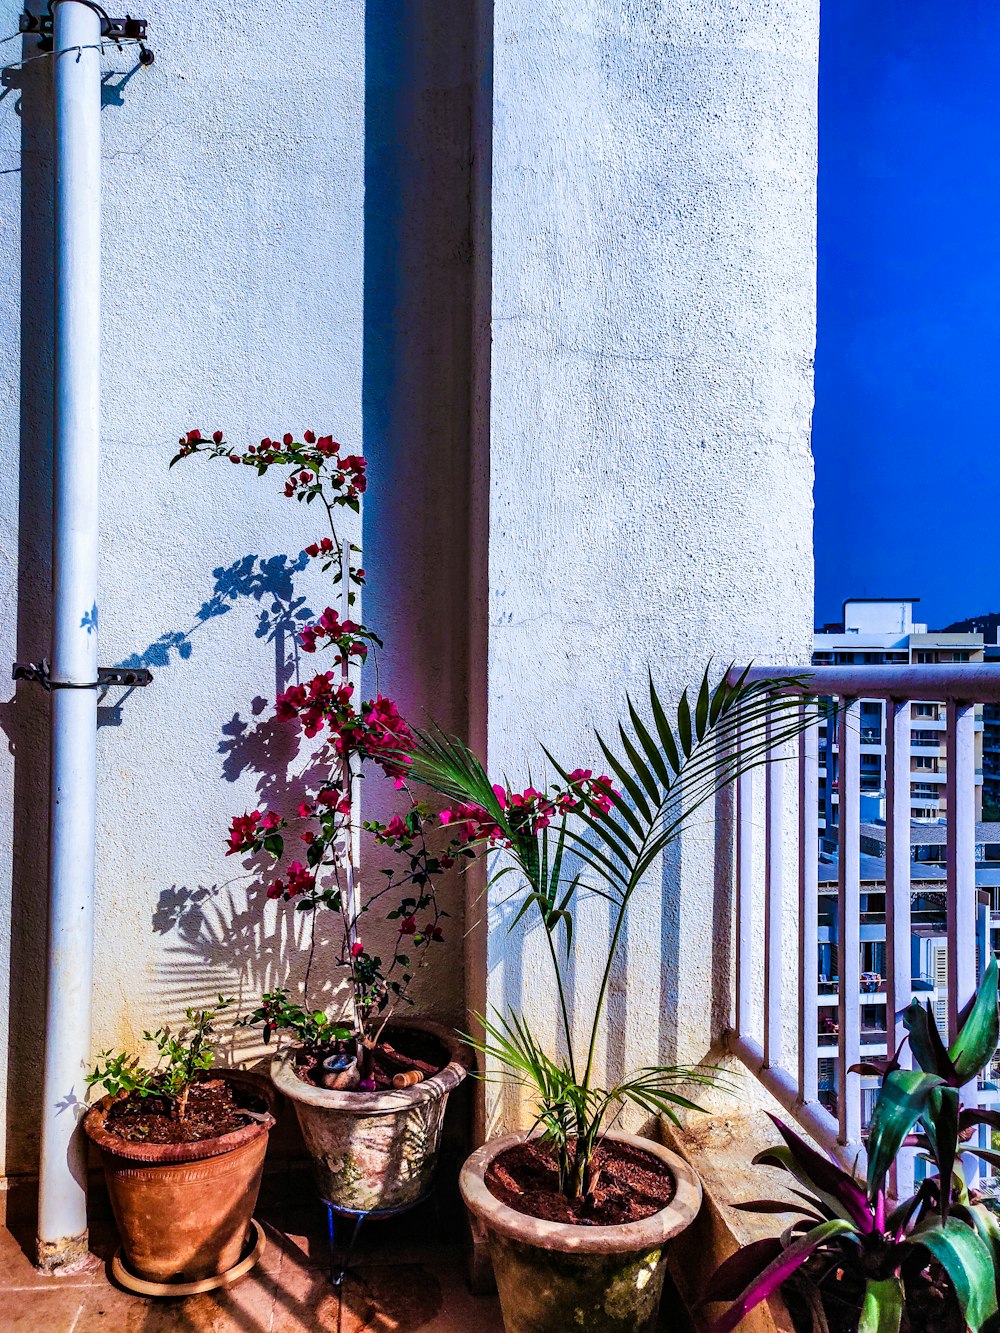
[369, 1086]
[578, 1214]
[183, 1149]
[851, 1258]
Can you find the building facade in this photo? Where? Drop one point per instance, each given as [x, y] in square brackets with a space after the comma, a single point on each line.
[879, 632]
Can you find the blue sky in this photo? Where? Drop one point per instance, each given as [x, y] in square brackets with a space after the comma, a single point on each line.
[907, 416]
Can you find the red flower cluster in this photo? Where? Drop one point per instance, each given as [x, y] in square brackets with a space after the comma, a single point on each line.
[247, 829]
[530, 810]
[316, 702]
[322, 547]
[386, 736]
[300, 880]
[333, 630]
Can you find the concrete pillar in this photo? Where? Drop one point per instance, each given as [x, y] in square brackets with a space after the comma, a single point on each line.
[653, 255]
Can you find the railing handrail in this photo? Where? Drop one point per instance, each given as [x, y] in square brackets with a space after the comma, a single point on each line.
[965, 682]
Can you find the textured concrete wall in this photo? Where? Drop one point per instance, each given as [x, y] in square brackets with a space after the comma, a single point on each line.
[233, 273]
[650, 502]
[295, 217]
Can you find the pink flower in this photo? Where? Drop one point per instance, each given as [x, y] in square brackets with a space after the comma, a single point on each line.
[357, 949]
[408, 926]
[300, 880]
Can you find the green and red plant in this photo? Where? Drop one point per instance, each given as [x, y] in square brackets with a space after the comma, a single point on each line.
[349, 735]
[890, 1256]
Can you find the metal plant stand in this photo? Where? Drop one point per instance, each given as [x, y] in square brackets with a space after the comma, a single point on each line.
[340, 1257]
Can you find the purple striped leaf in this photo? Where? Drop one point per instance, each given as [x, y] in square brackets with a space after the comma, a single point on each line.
[829, 1178]
[778, 1271]
[733, 1275]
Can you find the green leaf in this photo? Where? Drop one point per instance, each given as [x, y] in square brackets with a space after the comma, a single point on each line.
[940, 1124]
[966, 1258]
[925, 1041]
[882, 1307]
[701, 708]
[901, 1102]
[684, 723]
[977, 1039]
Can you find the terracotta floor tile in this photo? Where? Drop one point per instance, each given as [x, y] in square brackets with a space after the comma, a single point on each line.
[407, 1278]
[52, 1310]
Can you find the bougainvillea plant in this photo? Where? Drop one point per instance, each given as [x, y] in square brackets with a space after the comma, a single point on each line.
[351, 737]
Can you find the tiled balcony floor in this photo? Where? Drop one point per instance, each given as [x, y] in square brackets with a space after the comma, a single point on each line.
[407, 1275]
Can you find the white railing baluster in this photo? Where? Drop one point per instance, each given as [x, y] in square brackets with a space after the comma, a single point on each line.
[960, 859]
[849, 922]
[808, 906]
[898, 947]
[774, 1009]
[960, 880]
[744, 904]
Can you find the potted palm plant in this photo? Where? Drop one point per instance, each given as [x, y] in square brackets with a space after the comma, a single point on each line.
[577, 1213]
[182, 1147]
[369, 1086]
[849, 1259]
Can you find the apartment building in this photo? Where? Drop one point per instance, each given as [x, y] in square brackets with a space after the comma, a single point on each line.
[881, 631]
[928, 944]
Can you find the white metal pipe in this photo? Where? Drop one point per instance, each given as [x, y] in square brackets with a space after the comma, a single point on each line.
[62, 1217]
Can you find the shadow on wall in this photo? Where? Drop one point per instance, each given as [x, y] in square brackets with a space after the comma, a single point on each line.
[424, 319]
[25, 717]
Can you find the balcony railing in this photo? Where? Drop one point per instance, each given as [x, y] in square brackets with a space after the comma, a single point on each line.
[792, 1076]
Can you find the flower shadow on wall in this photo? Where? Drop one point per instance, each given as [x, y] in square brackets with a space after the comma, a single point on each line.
[218, 928]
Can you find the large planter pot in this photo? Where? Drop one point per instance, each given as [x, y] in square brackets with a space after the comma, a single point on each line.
[183, 1209]
[374, 1151]
[555, 1276]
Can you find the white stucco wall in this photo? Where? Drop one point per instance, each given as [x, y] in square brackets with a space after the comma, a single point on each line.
[649, 399]
[653, 324]
[233, 269]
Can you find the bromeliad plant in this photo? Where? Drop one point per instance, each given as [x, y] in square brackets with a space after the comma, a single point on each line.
[601, 835]
[351, 739]
[182, 1057]
[845, 1227]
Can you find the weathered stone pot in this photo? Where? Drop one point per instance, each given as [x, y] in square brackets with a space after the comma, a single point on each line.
[183, 1209]
[374, 1151]
[555, 1276]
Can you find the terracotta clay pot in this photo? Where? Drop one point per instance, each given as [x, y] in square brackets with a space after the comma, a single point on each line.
[555, 1276]
[183, 1209]
[374, 1151]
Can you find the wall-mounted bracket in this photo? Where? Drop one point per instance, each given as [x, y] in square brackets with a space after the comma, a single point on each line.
[112, 30]
[128, 677]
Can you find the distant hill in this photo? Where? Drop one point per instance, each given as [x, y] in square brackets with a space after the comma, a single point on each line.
[987, 625]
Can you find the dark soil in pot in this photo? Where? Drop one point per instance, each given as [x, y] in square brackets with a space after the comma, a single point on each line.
[403, 1051]
[630, 1184]
[930, 1303]
[214, 1107]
